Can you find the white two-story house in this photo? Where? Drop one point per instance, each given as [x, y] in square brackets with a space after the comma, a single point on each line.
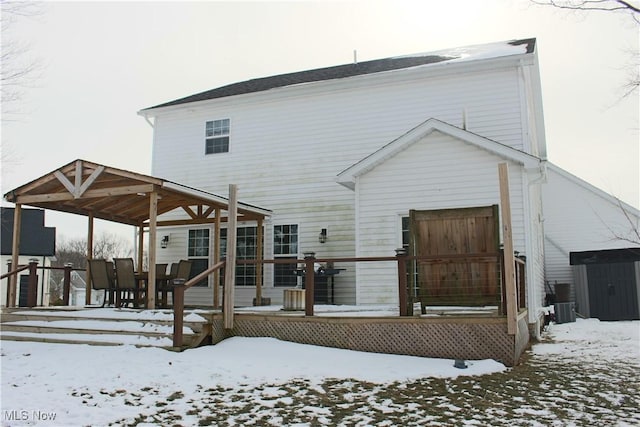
[341, 155]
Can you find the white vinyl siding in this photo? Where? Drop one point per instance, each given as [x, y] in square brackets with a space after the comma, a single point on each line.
[436, 172]
[289, 145]
[579, 217]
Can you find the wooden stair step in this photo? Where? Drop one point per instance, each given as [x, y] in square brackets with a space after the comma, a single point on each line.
[93, 327]
[151, 328]
[101, 339]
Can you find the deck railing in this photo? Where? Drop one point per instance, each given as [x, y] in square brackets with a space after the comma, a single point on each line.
[179, 288]
[407, 287]
[521, 283]
[32, 282]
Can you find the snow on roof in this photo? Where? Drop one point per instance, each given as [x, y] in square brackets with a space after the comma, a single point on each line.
[482, 51]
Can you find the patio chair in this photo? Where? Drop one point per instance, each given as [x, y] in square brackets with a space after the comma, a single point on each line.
[184, 269]
[179, 270]
[128, 286]
[161, 270]
[161, 284]
[111, 272]
[173, 270]
[100, 278]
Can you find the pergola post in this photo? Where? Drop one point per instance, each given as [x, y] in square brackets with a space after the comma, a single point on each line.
[15, 254]
[509, 261]
[151, 279]
[259, 257]
[230, 272]
[140, 253]
[87, 298]
[216, 259]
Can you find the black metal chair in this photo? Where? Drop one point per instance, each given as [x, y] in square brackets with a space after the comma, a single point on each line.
[101, 279]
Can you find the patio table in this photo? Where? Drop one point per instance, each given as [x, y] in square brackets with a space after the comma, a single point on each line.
[162, 285]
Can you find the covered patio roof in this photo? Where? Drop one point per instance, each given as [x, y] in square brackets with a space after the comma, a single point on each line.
[104, 192]
[98, 191]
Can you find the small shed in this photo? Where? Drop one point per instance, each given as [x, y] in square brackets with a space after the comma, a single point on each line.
[607, 283]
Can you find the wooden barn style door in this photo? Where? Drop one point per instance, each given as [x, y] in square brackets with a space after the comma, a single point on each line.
[465, 243]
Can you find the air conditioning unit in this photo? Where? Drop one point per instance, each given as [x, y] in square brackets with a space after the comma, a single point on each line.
[565, 312]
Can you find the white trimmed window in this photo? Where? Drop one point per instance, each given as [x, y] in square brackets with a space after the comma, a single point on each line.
[246, 248]
[285, 245]
[198, 253]
[217, 136]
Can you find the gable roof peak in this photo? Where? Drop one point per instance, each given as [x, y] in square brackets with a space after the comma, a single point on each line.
[347, 177]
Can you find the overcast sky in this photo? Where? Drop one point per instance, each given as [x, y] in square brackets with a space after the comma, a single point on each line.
[103, 62]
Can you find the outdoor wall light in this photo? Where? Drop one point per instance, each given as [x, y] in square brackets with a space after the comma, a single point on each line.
[323, 235]
[164, 242]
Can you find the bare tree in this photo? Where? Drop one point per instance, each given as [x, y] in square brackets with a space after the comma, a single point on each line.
[628, 8]
[602, 5]
[632, 235]
[17, 70]
[74, 251]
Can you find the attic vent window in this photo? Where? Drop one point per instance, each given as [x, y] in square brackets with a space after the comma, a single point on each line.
[217, 136]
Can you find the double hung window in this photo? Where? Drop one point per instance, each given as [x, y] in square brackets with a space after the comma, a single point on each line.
[217, 136]
[285, 245]
[198, 252]
[246, 248]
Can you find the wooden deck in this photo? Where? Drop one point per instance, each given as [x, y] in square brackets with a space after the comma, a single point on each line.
[444, 332]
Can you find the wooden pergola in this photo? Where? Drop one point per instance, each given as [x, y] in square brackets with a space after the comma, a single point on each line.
[98, 191]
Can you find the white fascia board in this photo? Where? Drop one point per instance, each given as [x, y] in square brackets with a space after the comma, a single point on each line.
[348, 176]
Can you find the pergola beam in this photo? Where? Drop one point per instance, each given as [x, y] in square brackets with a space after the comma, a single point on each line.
[106, 192]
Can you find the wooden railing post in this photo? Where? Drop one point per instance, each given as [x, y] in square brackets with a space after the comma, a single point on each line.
[178, 311]
[66, 284]
[309, 285]
[401, 255]
[32, 284]
[9, 264]
[521, 277]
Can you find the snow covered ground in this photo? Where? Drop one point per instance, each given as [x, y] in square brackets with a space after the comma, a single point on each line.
[263, 381]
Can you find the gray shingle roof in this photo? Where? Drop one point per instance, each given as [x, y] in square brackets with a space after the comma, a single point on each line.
[330, 73]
